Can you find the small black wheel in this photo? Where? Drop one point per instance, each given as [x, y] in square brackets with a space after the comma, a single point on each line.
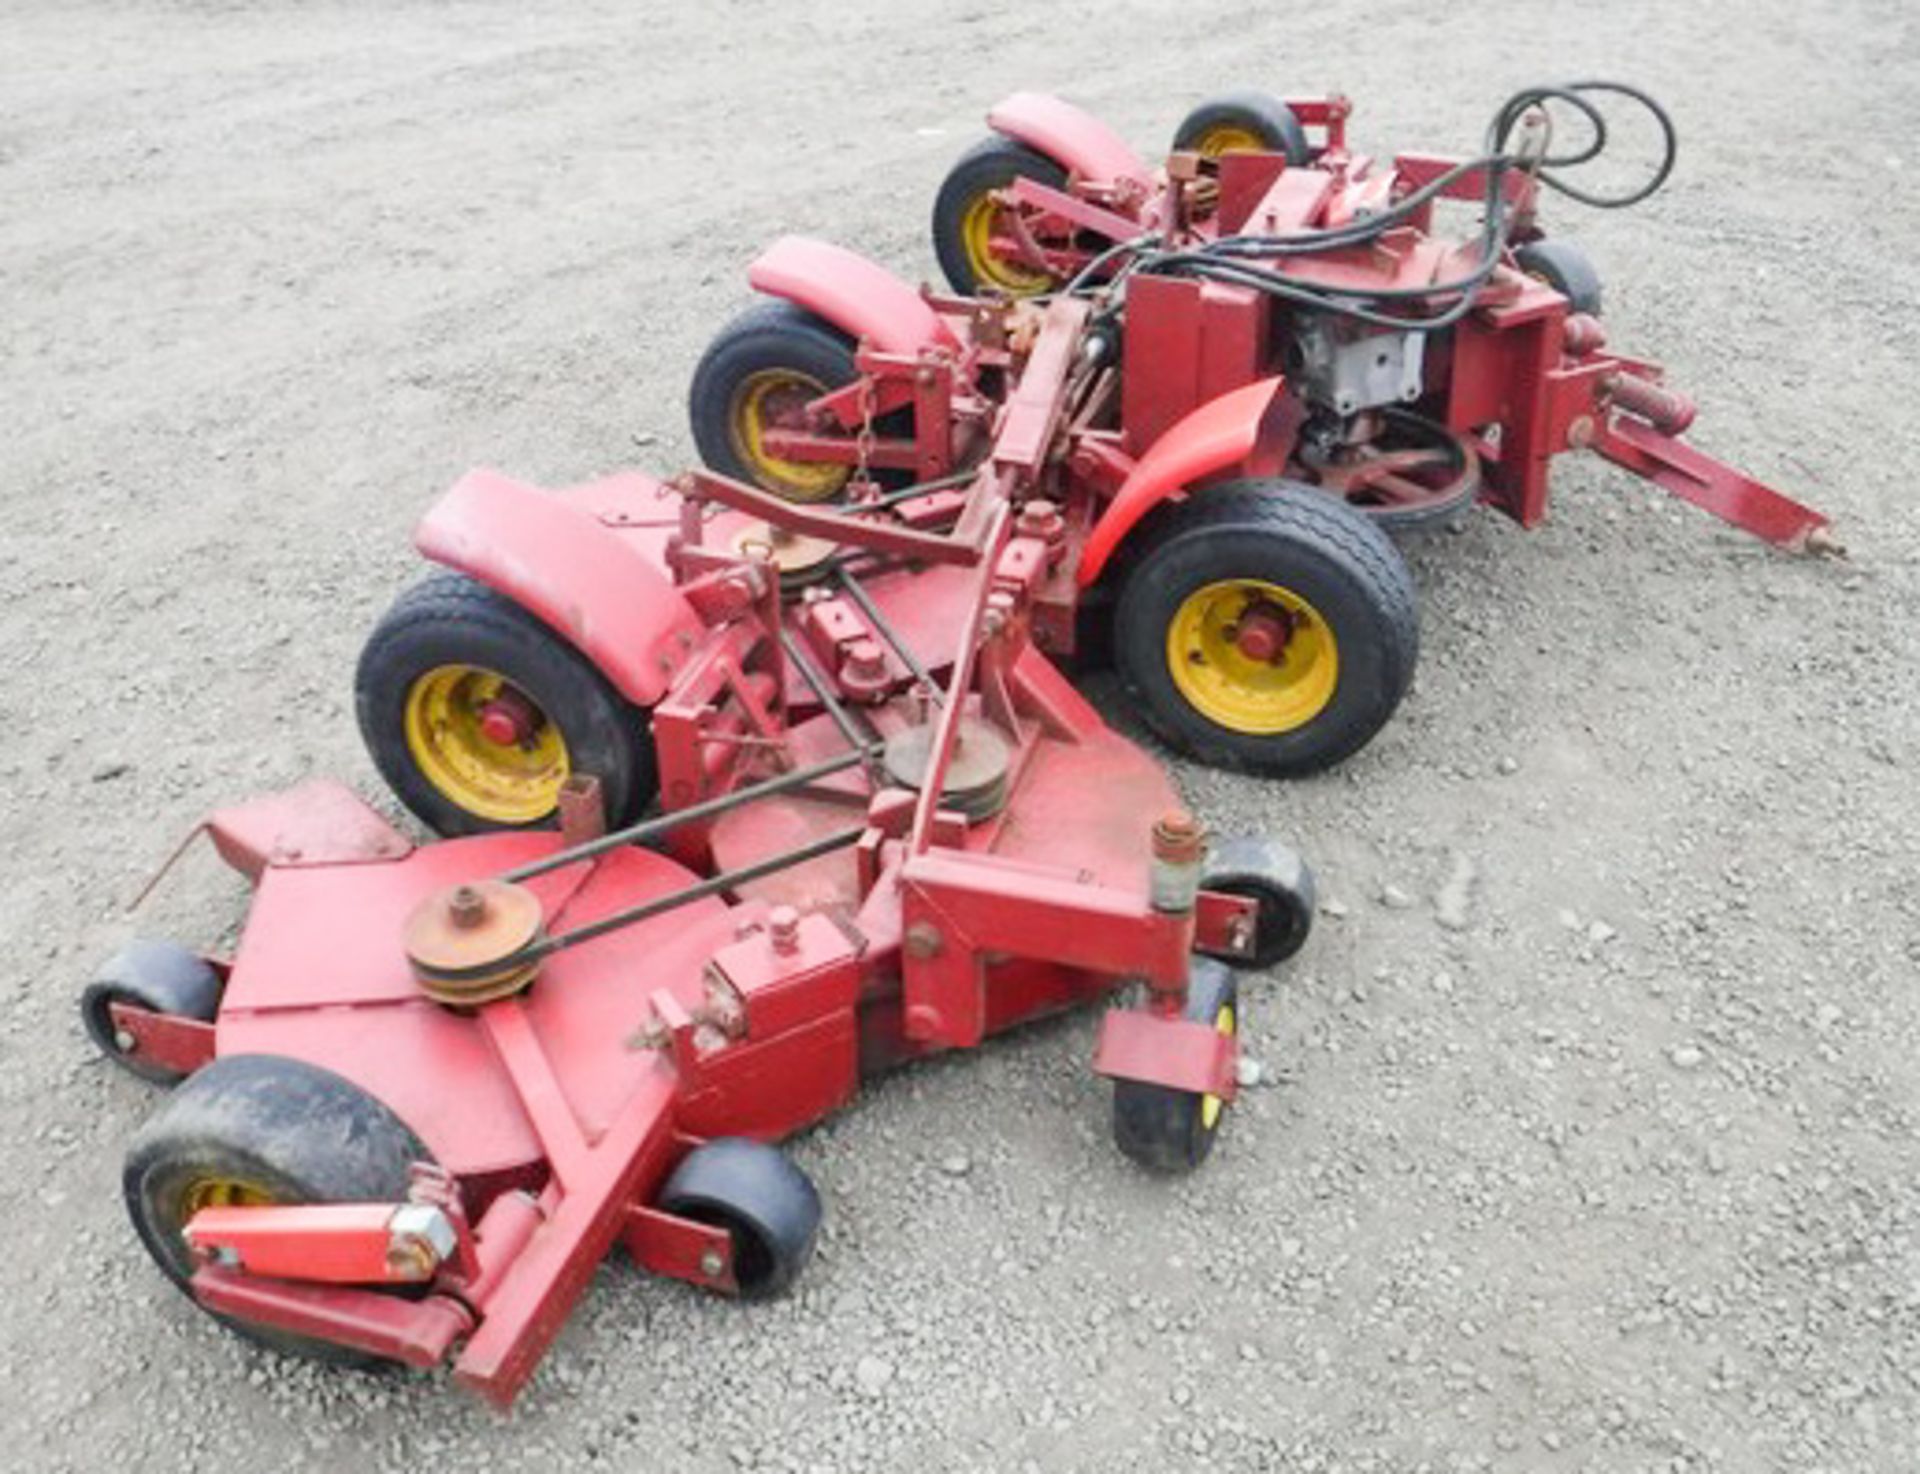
[1566, 268]
[1267, 626]
[157, 976]
[256, 1129]
[760, 373]
[1168, 1130]
[766, 1204]
[966, 218]
[1243, 122]
[476, 712]
[1280, 884]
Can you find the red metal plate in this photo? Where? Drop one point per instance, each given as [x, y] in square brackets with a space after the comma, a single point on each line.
[342, 995]
[1178, 1053]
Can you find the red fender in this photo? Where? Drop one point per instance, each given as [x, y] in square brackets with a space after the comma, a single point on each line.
[1070, 136]
[1220, 433]
[856, 295]
[587, 561]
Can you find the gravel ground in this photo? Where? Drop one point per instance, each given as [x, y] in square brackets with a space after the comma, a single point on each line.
[1587, 1138]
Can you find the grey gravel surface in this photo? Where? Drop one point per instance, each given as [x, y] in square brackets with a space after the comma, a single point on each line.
[1584, 1132]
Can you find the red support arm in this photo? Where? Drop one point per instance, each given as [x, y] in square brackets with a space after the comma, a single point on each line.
[1694, 476]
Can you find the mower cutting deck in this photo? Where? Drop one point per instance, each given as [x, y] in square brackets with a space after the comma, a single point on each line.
[436, 1084]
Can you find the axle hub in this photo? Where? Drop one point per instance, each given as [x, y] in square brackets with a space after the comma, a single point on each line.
[508, 719]
[1262, 632]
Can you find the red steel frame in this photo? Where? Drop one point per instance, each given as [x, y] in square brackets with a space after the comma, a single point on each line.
[1517, 382]
[578, 1097]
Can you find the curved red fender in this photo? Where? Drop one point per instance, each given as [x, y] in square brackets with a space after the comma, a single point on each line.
[1220, 433]
[1070, 135]
[858, 296]
[587, 561]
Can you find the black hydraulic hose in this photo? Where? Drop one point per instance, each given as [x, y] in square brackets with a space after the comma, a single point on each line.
[1222, 259]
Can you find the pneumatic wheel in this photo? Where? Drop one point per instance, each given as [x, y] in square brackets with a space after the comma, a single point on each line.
[1168, 1130]
[1566, 268]
[1280, 885]
[476, 713]
[1267, 626]
[968, 220]
[1243, 122]
[256, 1129]
[159, 977]
[767, 1205]
[760, 374]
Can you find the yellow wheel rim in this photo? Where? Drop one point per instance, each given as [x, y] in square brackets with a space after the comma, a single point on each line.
[1228, 138]
[457, 747]
[757, 404]
[1211, 1105]
[1252, 656]
[977, 226]
[221, 1192]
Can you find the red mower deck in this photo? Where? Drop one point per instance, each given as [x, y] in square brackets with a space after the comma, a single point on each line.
[436, 1084]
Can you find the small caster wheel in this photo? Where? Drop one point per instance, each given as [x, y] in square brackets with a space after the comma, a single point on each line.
[1279, 883]
[158, 976]
[257, 1129]
[1167, 1130]
[767, 1205]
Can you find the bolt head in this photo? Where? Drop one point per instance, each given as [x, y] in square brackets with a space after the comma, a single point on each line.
[711, 1263]
[124, 1041]
[466, 906]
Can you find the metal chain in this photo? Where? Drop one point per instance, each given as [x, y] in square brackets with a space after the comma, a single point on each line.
[863, 443]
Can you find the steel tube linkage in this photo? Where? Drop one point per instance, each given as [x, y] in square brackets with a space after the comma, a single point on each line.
[963, 663]
[726, 880]
[649, 829]
[863, 743]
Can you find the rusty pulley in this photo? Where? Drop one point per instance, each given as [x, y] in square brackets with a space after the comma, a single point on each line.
[977, 773]
[472, 943]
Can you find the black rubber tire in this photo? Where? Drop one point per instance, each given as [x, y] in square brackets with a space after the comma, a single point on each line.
[992, 163]
[773, 334]
[301, 1133]
[1566, 268]
[1163, 1129]
[450, 619]
[1260, 113]
[765, 1202]
[1281, 884]
[159, 976]
[1304, 540]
